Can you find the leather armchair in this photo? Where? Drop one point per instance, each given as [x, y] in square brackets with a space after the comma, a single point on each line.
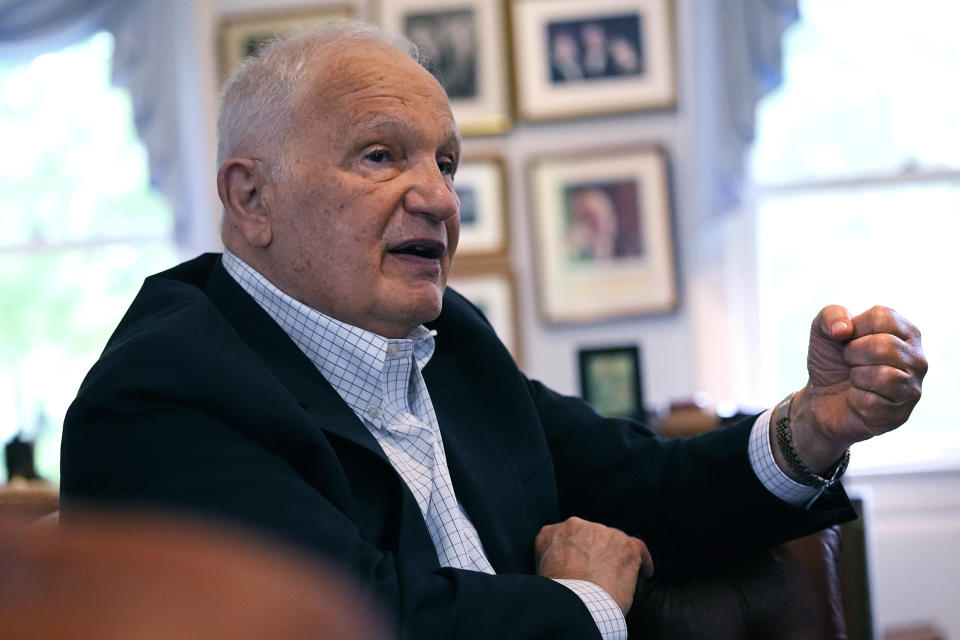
[793, 592]
[790, 593]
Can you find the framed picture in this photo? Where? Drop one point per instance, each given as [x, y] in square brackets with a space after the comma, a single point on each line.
[494, 292]
[243, 36]
[610, 380]
[481, 187]
[577, 58]
[466, 45]
[603, 227]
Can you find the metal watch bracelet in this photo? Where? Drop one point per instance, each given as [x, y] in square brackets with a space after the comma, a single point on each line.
[807, 476]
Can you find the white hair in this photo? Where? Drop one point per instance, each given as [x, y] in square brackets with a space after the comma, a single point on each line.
[258, 98]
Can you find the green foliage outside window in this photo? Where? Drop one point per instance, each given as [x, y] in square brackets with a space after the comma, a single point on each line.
[80, 228]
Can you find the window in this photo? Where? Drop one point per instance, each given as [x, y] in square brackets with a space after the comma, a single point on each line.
[857, 169]
[79, 230]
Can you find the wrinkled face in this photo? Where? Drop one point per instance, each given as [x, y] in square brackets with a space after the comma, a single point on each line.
[366, 221]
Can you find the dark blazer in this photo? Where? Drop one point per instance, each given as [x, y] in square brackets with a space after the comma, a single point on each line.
[201, 403]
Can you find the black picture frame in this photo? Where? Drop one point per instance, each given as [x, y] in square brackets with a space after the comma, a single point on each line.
[612, 382]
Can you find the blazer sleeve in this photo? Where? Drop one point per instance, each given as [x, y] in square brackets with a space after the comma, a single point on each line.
[696, 501]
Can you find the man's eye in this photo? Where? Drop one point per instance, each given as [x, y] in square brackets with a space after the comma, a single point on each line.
[447, 167]
[379, 155]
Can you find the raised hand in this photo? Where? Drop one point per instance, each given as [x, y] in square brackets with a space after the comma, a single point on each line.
[865, 375]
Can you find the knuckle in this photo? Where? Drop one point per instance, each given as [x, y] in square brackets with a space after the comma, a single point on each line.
[887, 376]
[921, 365]
[914, 392]
[547, 532]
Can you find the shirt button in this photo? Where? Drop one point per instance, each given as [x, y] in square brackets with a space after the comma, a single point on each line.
[392, 350]
[373, 412]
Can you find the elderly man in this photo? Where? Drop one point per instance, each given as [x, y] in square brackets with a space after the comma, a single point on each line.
[318, 383]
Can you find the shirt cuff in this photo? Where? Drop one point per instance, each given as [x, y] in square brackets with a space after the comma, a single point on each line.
[606, 613]
[768, 472]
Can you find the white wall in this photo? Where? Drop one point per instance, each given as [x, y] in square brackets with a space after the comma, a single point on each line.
[705, 344]
[913, 536]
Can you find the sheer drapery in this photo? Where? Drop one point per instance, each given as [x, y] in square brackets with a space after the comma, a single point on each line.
[745, 64]
[155, 59]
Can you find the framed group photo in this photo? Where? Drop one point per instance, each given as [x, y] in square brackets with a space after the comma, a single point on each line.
[495, 294]
[611, 381]
[577, 58]
[603, 227]
[242, 36]
[481, 187]
[466, 45]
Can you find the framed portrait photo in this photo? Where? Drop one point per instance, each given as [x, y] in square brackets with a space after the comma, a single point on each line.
[481, 187]
[242, 36]
[466, 46]
[603, 227]
[577, 58]
[611, 381]
[495, 293]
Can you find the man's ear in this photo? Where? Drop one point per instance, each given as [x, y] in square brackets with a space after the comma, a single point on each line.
[240, 183]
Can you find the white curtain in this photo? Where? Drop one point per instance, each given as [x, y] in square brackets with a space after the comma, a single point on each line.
[746, 65]
[157, 63]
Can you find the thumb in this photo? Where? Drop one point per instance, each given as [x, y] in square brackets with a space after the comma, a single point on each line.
[833, 323]
[828, 332]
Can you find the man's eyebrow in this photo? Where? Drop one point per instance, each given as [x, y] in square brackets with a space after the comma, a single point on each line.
[384, 122]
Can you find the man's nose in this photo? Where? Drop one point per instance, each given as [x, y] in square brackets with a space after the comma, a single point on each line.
[431, 193]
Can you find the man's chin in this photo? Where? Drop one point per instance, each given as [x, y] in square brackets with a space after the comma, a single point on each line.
[415, 307]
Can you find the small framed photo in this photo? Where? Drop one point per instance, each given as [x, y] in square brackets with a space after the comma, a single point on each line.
[466, 45]
[603, 226]
[577, 58]
[495, 293]
[243, 36]
[481, 186]
[611, 381]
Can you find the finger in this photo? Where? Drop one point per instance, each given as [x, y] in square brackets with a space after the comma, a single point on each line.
[833, 323]
[544, 538]
[881, 319]
[883, 348]
[890, 383]
[876, 413]
[646, 562]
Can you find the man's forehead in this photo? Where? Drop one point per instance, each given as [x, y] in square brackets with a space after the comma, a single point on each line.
[379, 90]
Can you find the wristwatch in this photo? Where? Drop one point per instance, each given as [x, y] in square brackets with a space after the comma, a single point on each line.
[805, 475]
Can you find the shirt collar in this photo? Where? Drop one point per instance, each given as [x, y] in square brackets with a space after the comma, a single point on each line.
[334, 347]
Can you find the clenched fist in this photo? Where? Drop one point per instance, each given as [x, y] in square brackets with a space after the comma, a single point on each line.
[865, 374]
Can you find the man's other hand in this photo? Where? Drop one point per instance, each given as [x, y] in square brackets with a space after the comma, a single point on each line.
[580, 550]
[865, 375]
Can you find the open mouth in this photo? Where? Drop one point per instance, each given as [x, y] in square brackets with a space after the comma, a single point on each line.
[427, 249]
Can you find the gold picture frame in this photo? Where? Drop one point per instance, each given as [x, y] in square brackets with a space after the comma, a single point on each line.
[241, 36]
[481, 186]
[585, 58]
[466, 43]
[493, 289]
[603, 229]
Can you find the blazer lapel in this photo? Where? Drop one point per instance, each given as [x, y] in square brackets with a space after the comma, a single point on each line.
[484, 480]
[328, 410]
[290, 365]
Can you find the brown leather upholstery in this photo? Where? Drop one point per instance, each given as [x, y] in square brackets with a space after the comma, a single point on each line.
[25, 501]
[152, 579]
[789, 594]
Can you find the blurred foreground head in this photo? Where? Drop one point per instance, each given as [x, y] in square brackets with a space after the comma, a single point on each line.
[112, 578]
